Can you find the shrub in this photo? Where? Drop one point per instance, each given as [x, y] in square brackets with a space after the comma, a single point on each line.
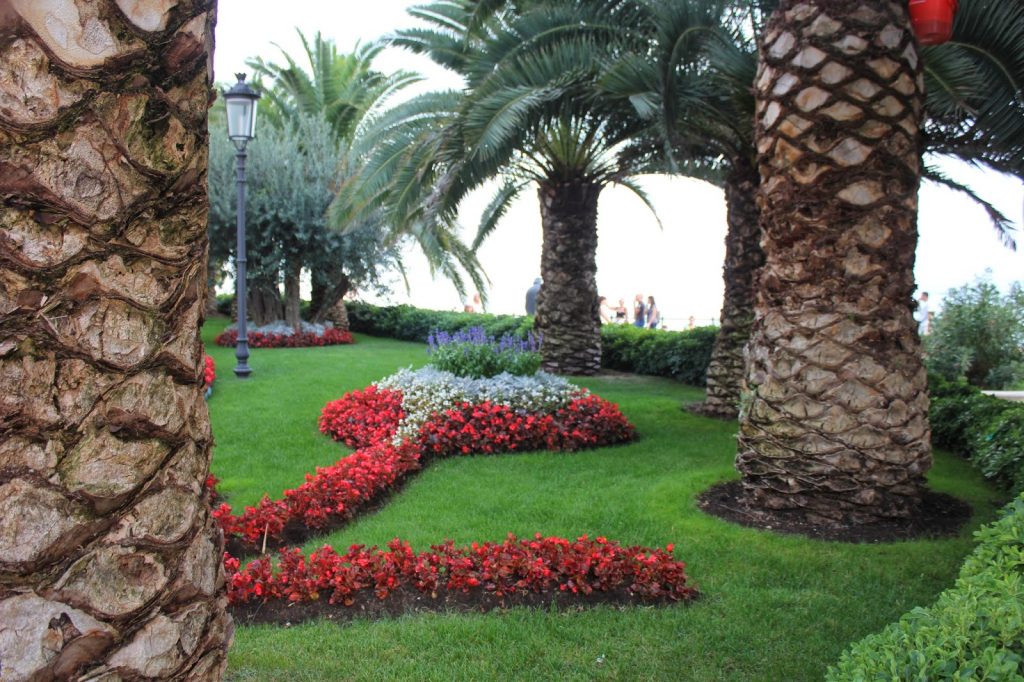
[987, 430]
[974, 631]
[224, 304]
[474, 353]
[415, 324]
[683, 356]
[979, 336]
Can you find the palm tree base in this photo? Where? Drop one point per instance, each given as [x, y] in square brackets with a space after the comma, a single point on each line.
[936, 515]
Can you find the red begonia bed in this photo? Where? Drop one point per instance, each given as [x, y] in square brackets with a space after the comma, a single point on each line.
[377, 582]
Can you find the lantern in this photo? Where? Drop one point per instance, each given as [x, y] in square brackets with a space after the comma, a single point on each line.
[932, 20]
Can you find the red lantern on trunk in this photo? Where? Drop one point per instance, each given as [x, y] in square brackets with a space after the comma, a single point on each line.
[932, 20]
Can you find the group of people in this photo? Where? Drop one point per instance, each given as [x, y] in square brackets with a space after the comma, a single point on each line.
[645, 314]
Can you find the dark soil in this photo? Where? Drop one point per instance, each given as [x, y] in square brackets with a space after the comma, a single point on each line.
[940, 516]
[407, 600]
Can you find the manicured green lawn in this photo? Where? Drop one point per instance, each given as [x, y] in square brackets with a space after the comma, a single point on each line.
[774, 607]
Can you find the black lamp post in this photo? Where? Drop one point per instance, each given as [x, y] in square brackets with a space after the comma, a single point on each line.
[241, 106]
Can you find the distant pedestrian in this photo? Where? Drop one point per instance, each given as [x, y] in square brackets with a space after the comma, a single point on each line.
[621, 312]
[923, 321]
[692, 322]
[653, 316]
[639, 312]
[604, 310]
[531, 297]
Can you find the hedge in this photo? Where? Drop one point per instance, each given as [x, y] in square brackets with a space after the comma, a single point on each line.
[683, 356]
[986, 430]
[974, 631]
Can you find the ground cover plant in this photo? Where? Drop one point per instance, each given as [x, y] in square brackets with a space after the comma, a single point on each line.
[774, 607]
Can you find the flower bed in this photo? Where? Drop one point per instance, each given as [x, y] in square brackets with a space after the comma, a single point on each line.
[506, 414]
[334, 493]
[507, 568]
[329, 337]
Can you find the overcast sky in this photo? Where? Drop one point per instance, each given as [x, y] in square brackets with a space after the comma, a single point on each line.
[680, 265]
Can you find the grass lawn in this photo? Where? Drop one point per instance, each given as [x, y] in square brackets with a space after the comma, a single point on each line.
[774, 607]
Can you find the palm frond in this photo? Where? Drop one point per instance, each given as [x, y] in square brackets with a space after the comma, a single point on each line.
[496, 209]
[1003, 225]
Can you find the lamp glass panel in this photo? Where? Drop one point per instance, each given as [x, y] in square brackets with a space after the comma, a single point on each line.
[240, 118]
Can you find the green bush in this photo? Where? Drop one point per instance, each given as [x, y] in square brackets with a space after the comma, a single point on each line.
[415, 324]
[979, 336]
[224, 303]
[683, 356]
[986, 430]
[974, 631]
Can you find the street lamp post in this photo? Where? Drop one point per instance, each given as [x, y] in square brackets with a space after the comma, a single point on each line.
[241, 108]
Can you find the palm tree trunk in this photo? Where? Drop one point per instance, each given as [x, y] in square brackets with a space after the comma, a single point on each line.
[292, 300]
[567, 307]
[837, 423]
[743, 258]
[110, 563]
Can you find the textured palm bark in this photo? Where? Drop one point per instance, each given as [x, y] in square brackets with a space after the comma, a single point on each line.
[743, 258]
[568, 313]
[836, 424]
[292, 300]
[110, 562]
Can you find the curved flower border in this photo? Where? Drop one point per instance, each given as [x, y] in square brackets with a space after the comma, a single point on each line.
[368, 420]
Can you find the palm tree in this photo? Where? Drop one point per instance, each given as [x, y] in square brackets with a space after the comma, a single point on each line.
[836, 426]
[707, 132]
[692, 85]
[110, 563]
[530, 115]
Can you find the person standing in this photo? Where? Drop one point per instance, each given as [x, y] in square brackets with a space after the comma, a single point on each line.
[531, 297]
[621, 312]
[604, 310]
[653, 315]
[639, 312]
[923, 321]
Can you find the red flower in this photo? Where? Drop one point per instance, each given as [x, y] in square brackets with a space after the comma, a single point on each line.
[330, 337]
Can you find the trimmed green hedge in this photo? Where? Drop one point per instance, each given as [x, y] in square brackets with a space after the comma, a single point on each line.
[988, 431]
[974, 631]
[683, 356]
[407, 323]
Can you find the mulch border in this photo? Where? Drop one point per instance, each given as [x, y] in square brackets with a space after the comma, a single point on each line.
[941, 516]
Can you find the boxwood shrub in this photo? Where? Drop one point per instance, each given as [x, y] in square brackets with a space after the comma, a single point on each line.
[683, 356]
[988, 431]
[974, 631]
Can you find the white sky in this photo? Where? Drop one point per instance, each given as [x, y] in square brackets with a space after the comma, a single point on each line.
[680, 265]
